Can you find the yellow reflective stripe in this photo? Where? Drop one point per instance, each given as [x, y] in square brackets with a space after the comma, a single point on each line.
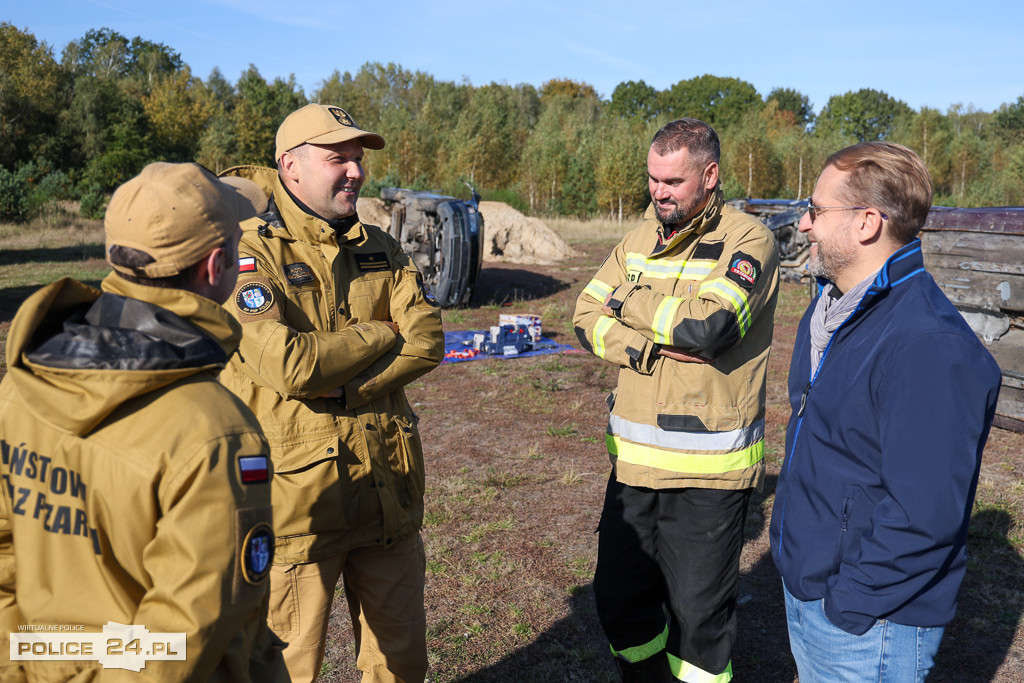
[598, 290]
[735, 295]
[645, 651]
[664, 316]
[676, 461]
[601, 327]
[688, 673]
[664, 269]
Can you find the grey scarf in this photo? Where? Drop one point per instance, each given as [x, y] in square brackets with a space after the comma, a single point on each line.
[832, 310]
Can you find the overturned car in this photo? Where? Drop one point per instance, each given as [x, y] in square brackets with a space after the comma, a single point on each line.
[782, 216]
[443, 236]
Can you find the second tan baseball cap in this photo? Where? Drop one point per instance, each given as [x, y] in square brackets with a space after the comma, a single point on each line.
[176, 213]
[321, 124]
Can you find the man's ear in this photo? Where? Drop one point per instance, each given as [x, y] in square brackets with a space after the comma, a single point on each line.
[218, 265]
[871, 228]
[288, 167]
[711, 175]
[211, 270]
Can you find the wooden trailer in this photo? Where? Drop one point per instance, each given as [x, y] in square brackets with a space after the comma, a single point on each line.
[977, 258]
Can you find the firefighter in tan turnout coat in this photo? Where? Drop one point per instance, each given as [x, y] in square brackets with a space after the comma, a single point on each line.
[685, 306]
[134, 488]
[337, 321]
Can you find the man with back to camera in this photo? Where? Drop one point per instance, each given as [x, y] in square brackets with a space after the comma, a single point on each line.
[892, 397]
[135, 488]
[337, 321]
[685, 306]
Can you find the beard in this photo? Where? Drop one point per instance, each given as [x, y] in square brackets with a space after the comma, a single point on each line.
[679, 216]
[830, 262]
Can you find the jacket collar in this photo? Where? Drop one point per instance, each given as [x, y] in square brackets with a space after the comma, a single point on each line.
[905, 263]
[206, 314]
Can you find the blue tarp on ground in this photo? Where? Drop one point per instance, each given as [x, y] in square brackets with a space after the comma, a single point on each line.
[453, 341]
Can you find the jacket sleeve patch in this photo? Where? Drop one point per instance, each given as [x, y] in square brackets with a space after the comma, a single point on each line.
[428, 296]
[744, 270]
[253, 469]
[254, 552]
[247, 264]
[254, 299]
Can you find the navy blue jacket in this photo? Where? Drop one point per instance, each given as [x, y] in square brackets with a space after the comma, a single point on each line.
[874, 498]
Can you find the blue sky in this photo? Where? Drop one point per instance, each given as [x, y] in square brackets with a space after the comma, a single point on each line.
[927, 54]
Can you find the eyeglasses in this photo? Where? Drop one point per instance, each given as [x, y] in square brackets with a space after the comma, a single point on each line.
[815, 211]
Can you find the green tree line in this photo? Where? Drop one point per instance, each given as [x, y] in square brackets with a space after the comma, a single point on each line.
[76, 126]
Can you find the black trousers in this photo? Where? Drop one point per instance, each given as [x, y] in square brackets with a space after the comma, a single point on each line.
[671, 556]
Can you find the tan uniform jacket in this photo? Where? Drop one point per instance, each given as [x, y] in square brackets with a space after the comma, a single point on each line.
[711, 290]
[348, 472]
[121, 490]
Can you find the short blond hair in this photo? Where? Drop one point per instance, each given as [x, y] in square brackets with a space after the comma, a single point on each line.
[888, 177]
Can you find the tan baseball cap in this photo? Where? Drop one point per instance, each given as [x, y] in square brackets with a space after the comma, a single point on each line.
[177, 213]
[321, 124]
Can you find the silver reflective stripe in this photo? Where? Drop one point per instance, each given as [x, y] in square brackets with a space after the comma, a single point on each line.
[651, 435]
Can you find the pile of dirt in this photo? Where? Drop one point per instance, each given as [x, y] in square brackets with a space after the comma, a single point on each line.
[372, 212]
[511, 236]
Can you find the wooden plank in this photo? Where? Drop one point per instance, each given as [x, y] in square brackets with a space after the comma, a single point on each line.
[972, 246]
[993, 292]
[1001, 219]
[1009, 354]
[1011, 406]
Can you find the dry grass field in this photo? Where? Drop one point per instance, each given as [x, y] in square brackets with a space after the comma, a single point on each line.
[516, 468]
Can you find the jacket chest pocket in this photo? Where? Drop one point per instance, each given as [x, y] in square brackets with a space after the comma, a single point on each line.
[369, 298]
[307, 310]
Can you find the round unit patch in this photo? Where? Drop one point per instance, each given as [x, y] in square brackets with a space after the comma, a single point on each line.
[257, 553]
[745, 271]
[254, 298]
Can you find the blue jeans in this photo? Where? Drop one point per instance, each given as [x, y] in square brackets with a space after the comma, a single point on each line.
[887, 653]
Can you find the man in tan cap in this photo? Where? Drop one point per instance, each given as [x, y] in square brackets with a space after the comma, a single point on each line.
[135, 488]
[337, 321]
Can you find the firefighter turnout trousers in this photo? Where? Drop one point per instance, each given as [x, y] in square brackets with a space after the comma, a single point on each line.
[667, 577]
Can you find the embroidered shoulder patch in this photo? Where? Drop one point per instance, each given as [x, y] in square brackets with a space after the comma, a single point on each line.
[378, 260]
[254, 298]
[253, 469]
[744, 270]
[257, 553]
[298, 273]
[427, 294]
[247, 264]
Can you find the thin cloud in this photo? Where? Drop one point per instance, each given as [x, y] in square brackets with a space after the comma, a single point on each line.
[605, 58]
[262, 55]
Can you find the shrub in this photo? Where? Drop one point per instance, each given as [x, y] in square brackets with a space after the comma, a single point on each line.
[12, 197]
[26, 192]
[94, 202]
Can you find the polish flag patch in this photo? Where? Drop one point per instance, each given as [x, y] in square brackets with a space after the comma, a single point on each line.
[247, 264]
[254, 469]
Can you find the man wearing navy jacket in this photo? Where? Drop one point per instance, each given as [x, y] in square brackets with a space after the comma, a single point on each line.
[892, 397]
